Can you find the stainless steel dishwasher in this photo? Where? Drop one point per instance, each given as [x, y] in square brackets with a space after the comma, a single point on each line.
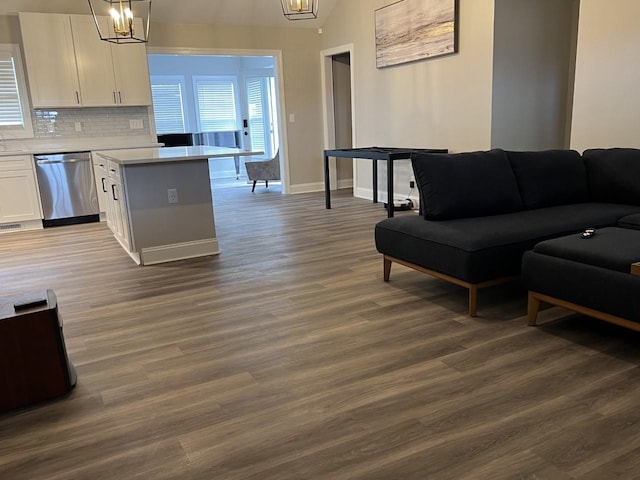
[67, 188]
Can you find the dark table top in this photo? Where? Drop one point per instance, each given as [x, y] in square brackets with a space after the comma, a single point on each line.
[379, 153]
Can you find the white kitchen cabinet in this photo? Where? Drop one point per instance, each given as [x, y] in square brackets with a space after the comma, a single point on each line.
[101, 176]
[109, 74]
[131, 71]
[95, 67]
[50, 60]
[19, 200]
[69, 66]
[117, 215]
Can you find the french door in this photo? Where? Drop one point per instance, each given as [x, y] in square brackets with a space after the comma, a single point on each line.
[261, 114]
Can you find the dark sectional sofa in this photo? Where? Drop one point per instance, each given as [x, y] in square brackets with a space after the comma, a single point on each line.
[481, 211]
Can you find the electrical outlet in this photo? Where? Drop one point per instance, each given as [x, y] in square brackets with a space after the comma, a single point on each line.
[172, 193]
[136, 124]
[412, 184]
[78, 126]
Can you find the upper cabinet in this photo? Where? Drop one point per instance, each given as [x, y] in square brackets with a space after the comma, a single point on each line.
[109, 73]
[50, 60]
[87, 72]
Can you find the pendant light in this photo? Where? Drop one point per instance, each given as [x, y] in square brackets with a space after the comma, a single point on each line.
[122, 21]
[300, 9]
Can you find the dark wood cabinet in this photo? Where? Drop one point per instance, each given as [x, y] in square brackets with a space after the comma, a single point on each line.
[33, 359]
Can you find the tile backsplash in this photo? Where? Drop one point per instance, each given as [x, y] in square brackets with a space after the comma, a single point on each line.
[92, 122]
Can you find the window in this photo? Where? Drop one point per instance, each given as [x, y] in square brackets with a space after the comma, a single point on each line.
[15, 117]
[262, 113]
[168, 103]
[216, 104]
[258, 117]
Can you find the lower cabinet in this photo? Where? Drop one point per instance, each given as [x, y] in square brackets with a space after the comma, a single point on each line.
[117, 216]
[101, 176]
[19, 200]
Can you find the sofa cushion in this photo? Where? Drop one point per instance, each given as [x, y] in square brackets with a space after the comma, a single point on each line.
[613, 175]
[599, 288]
[613, 248]
[548, 178]
[484, 248]
[465, 184]
[630, 221]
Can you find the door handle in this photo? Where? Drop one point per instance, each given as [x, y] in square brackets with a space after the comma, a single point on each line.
[104, 188]
[77, 97]
[114, 97]
[113, 192]
[120, 96]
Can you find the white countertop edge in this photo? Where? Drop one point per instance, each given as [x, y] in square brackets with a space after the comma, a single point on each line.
[44, 146]
[140, 156]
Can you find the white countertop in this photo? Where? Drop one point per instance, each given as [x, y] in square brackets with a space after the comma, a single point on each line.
[59, 145]
[171, 154]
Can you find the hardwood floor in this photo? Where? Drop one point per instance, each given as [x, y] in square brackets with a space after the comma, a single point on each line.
[288, 357]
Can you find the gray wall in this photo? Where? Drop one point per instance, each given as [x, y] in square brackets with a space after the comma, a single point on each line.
[606, 107]
[532, 73]
[341, 70]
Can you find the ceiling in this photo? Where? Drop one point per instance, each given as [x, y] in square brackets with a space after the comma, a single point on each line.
[266, 13]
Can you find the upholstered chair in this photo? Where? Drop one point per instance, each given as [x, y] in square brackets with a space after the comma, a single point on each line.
[263, 170]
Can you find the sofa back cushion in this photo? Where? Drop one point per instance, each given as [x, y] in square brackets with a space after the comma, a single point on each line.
[549, 178]
[614, 174]
[463, 185]
[630, 221]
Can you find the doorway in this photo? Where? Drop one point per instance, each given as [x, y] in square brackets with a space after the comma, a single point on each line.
[210, 98]
[338, 111]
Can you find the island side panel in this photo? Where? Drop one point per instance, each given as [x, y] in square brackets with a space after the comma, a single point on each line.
[153, 220]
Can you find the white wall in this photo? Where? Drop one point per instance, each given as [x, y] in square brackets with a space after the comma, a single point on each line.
[606, 106]
[443, 102]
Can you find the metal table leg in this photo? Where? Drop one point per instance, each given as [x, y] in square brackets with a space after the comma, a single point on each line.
[327, 187]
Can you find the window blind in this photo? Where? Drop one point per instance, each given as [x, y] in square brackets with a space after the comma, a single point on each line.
[255, 96]
[10, 105]
[216, 105]
[168, 107]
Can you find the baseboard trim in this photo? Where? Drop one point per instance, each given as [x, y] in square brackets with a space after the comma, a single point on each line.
[21, 226]
[307, 187]
[179, 251]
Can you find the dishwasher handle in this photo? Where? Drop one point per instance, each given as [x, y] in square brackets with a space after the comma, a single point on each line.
[70, 160]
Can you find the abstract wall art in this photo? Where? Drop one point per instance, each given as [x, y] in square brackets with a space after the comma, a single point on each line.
[411, 30]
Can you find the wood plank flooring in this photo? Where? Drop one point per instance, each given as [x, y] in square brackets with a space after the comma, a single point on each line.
[288, 357]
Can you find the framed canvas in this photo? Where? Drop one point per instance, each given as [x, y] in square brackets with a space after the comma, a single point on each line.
[411, 30]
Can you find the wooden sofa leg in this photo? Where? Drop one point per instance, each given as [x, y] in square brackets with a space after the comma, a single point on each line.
[473, 300]
[386, 268]
[533, 306]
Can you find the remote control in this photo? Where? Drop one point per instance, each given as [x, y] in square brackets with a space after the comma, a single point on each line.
[34, 302]
[588, 233]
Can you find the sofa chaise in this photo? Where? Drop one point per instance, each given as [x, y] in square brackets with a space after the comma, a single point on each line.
[481, 211]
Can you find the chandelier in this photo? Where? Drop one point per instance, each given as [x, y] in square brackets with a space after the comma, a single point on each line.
[300, 9]
[122, 21]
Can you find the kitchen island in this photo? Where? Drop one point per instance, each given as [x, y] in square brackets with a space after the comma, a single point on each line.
[160, 203]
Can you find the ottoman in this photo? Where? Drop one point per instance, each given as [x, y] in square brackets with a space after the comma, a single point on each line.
[597, 276]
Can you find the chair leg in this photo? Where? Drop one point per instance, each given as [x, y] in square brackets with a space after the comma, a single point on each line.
[386, 272]
[266, 184]
[473, 300]
[533, 306]
[254, 186]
